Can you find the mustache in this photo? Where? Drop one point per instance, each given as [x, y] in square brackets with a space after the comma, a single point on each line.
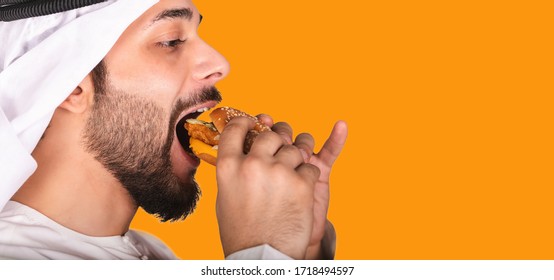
[203, 95]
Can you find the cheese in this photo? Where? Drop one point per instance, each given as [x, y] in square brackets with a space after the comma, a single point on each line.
[203, 150]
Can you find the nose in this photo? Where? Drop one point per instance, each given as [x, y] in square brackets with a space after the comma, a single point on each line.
[209, 65]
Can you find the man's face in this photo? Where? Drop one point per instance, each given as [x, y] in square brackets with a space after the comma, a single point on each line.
[158, 73]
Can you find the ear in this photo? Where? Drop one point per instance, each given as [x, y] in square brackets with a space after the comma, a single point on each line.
[81, 98]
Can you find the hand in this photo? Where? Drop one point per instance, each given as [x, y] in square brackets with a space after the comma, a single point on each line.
[324, 161]
[265, 196]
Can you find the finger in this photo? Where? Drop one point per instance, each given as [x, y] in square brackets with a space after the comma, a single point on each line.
[267, 144]
[231, 141]
[334, 144]
[290, 156]
[265, 119]
[305, 142]
[309, 172]
[284, 130]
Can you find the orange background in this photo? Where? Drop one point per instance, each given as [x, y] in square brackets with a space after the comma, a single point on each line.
[449, 104]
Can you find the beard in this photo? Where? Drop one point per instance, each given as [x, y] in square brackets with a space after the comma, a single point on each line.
[125, 133]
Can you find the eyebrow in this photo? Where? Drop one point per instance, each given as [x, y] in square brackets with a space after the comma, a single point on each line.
[182, 13]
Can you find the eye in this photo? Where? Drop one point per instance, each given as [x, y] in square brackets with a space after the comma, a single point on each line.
[170, 44]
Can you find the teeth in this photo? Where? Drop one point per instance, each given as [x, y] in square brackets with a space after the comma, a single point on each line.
[202, 110]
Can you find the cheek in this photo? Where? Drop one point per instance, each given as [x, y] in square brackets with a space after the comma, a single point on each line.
[126, 131]
[157, 90]
[143, 119]
[148, 76]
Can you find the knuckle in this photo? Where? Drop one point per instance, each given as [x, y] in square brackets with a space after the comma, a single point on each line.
[282, 126]
[305, 138]
[305, 135]
[225, 163]
[252, 163]
[253, 168]
[314, 169]
[311, 170]
[303, 146]
[285, 138]
[280, 170]
[289, 149]
[269, 136]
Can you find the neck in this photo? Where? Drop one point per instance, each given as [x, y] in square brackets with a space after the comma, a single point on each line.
[73, 189]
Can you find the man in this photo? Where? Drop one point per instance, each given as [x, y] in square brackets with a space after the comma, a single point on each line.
[111, 146]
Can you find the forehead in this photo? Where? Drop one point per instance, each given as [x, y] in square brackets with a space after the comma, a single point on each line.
[164, 10]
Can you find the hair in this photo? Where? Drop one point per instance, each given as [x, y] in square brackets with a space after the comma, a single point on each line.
[99, 76]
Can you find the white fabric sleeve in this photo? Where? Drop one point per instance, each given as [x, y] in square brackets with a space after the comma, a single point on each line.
[262, 252]
[266, 252]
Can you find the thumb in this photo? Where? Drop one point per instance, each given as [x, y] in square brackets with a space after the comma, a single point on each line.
[334, 144]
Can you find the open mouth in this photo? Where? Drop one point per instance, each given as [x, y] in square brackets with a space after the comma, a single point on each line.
[181, 131]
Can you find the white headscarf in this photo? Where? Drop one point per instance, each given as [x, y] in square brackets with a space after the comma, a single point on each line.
[42, 60]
